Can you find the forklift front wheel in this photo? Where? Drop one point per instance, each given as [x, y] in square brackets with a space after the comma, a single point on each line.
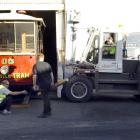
[78, 89]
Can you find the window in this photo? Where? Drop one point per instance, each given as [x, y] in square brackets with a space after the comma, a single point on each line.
[109, 46]
[25, 37]
[94, 51]
[7, 37]
[17, 37]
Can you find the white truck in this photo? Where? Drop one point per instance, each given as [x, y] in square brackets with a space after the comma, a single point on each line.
[106, 67]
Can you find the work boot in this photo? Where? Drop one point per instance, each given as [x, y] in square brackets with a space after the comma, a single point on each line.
[6, 112]
[45, 115]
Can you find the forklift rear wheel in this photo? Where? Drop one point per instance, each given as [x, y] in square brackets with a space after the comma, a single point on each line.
[79, 89]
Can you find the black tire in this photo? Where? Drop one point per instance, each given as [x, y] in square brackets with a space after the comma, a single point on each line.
[78, 89]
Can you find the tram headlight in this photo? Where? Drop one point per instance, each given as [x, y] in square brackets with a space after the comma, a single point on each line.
[4, 70]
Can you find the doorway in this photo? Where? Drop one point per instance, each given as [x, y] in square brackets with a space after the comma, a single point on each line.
[49, 37]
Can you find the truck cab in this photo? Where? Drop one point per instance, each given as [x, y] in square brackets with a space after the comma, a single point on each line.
[105, 67]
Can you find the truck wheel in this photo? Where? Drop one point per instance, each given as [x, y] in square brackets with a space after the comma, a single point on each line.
[78, 89]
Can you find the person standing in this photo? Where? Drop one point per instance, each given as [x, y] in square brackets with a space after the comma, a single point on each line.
[43, 78]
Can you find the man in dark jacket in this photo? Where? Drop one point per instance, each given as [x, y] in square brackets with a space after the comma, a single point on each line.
[43, 77]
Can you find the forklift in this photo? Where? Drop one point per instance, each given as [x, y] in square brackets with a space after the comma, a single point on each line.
[105, 66]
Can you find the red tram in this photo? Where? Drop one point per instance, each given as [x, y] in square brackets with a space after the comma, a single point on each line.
[20, 41]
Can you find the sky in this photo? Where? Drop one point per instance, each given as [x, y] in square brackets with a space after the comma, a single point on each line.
[105, 13]
[108, 12]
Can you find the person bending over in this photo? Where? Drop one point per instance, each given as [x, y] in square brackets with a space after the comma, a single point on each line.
[6, 97]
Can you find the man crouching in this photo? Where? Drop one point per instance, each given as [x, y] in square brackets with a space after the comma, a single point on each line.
[6, 97]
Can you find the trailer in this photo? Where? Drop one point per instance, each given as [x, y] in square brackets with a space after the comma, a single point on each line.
[107, 66]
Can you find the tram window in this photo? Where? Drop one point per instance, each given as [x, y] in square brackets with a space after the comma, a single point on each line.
[25, 37]
[17, 37]
[109, 46]
[7, 42]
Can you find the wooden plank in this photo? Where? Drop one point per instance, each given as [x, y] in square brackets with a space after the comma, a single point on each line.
[20, 105]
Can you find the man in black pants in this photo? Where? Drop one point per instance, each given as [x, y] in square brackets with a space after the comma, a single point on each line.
[43, 77]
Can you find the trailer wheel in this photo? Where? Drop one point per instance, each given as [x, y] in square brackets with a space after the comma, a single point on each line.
[78, 89]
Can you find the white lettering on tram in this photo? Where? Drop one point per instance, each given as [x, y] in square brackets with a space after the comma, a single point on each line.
[5, 61]
[21, 75]
[4, 76]
[10, 61]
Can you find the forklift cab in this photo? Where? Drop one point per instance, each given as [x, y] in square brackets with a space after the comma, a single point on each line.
[110, 52]
[106, 51]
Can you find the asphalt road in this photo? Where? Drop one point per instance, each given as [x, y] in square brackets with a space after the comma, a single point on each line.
[103, 118]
